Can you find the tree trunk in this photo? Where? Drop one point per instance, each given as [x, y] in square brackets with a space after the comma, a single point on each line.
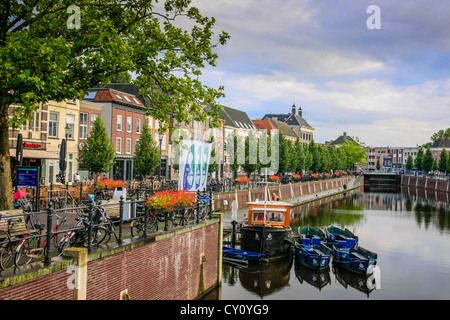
[6, 200]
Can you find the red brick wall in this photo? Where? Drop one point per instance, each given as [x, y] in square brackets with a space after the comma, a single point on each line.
[168, 269]
[428, 183]
[124, 134]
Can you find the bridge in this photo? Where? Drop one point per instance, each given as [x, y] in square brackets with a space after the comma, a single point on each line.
[382, 178]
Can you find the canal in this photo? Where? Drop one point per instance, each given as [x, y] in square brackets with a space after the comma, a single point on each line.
[409, 230]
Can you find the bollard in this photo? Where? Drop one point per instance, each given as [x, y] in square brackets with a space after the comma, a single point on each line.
[91, 225]
[47, 259]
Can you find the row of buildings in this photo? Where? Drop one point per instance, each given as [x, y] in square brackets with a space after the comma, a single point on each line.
[392, 159]
[123, 110]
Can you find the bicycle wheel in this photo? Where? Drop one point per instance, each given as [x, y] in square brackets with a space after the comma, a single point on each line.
[152, 224]
[137, 228]
[100, 235]
[64, 241]
[7, 253]
[21, 257]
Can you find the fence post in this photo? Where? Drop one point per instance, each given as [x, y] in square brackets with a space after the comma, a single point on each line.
[197, 218]
[210, 203]
[145, 221]
[91, 226]
[119, 241]
[166, 220]
[47, 259]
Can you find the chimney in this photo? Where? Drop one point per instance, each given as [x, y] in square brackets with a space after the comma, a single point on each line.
[293, 108]
[300, 111]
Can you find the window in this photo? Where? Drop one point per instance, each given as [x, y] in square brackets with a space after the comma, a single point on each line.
[118, 145]
[138, 125]
[53, 125]
[119, 123]
[150, 122]
[70, 121]
[93, 118]
[128, 146]
[129, 123]
[83, 125]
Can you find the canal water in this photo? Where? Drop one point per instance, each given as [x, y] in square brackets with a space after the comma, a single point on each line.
[408, 228]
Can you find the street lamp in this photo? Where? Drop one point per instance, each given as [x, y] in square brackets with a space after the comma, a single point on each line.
[160, 158]
[67, 130]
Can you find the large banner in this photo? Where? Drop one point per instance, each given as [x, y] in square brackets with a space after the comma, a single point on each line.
[194, 161]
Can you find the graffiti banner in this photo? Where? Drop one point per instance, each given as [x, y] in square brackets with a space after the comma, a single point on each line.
[194, 161]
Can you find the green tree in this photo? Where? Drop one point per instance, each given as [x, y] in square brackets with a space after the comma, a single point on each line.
[97, 153]
[123, 77]
[299, 156]
[427, 161]
[315, 156]
[213, 165]
[355, 152]
[419, 159]
[378, 164]
[146, 156]
[251, 154]
[48, 52]
[409, 163]
[442, 166]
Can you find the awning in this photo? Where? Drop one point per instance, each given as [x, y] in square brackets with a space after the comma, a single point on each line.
[34, 154]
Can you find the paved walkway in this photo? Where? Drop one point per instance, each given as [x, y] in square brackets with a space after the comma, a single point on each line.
[242, 212]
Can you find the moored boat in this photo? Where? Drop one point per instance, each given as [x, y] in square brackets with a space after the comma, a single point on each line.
[241, 256]
[358, 260]
[315, 255]
[267, 230]
[342, 238]
[310, 234]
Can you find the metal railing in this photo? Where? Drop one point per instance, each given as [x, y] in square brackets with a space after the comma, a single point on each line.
[128, 211]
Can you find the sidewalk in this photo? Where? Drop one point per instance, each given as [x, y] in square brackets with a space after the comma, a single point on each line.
[242, 212]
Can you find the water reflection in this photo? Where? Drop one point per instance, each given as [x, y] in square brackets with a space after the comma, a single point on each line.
[346, 278]
[316, 278]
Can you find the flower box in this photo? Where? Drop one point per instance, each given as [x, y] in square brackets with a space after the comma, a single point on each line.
[242, 180]
[169, 200]
[110, 184]
[315, 175]
[274, 178]
[296, 176]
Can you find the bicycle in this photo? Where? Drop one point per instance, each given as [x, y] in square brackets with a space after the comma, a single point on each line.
[31, 245]
[8, 247]
[20, 201]
[139, 226]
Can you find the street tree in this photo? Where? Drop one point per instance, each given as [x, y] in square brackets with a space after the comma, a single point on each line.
[419, 159]
[427, 161]
[442, 165]
[57, 50]
[97, 154]
[146, 156]
[409, 163]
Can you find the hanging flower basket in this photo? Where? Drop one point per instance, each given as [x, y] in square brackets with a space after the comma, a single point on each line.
[345, 173]
[315, 175]
[242, 180]
[274, 178]
[296, 176]
[337, 174]
[327, 175]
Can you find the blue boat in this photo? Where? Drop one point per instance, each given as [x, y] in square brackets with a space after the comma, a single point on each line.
[358, 260]
[312, 253]
[311, 233]
[241, 256]
[341, 238]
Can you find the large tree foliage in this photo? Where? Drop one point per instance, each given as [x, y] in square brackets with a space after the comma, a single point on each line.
[97, 153]
[53, 50]
[442, 165]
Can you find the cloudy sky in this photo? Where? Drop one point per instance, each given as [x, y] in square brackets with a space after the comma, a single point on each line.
[388, 86]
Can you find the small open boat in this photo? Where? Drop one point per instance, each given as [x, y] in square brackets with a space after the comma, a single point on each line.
[315, 255]
[358, 260]
[312, 234]
[342, 238]
[241, 256]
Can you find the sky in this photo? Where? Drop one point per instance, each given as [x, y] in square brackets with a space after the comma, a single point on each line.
[388, 86]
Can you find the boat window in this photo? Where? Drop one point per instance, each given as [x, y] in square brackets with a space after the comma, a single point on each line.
[276, 217]
[271, 216]
[258, 216]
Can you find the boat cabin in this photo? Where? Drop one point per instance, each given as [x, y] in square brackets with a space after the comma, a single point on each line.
[277, 213]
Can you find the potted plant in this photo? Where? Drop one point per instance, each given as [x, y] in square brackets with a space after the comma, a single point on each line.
[274, 178]
[242, 180]
[296, 176]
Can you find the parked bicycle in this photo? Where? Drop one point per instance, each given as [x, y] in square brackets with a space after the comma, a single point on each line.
[139, 226]
[32, 246]
[9, 242]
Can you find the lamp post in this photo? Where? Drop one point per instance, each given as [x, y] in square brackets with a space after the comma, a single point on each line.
[160, 158]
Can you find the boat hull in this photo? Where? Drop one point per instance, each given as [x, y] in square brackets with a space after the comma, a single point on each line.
[315, 257]
[274, 242]
[356, 260]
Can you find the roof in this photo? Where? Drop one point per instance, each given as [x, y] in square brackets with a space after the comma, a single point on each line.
[112, 95]
[264, 125]
[235, 118]
[341, 139]
[444, 142]
[283, 127]
[130, 88]
[292, 119]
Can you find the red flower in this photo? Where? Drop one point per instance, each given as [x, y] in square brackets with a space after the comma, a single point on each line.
[242, 180]
[274, 178]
